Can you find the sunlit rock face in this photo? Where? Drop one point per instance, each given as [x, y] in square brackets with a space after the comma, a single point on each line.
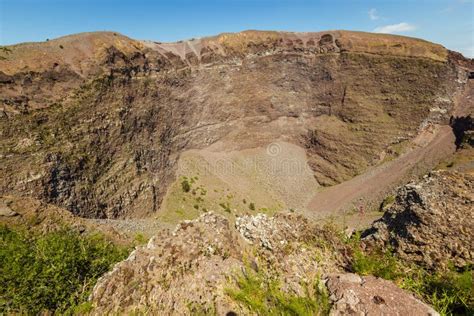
[97, 122]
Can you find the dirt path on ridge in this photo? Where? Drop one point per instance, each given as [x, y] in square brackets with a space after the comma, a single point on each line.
[431, 146]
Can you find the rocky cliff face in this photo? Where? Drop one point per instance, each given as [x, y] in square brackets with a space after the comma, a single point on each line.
[96, 122]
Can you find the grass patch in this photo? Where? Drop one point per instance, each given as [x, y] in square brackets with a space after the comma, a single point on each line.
[389, 200]
[450, 292]
[263, 296]
[380, 264]
[462, 157]
[375, 262]
[51, 273]
[140, 239]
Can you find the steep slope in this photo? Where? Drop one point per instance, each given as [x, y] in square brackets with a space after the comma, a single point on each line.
[97, 122]
[366, 191]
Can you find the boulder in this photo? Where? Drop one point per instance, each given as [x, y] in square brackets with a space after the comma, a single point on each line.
[355, 295]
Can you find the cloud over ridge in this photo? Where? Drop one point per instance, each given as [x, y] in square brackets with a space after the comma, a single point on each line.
[395, 28]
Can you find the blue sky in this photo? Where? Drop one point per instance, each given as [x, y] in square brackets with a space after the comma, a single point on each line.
[448, 22]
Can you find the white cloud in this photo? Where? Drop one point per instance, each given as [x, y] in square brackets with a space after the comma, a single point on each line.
[468, 52]
[395, 28]
[373, 14]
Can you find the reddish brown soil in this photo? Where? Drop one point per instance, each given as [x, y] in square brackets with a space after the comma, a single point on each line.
[431, 146]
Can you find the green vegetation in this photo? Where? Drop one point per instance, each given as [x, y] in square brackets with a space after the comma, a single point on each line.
[262, 295]
[389, 200]
[450, 292]
[187, 200]
[225, 206]
[185, 185]
[193, 193]
[54, 272]
[140, 239]
[380, 264]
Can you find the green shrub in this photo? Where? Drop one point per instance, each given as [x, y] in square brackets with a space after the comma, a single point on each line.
[377, 263]
[225, 206]
[54, 272]
[263, 296]
[185, 185]
[199, 199]
[252, 206]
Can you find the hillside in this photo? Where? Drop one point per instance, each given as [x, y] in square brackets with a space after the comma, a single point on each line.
[106, 126]
[261, 172]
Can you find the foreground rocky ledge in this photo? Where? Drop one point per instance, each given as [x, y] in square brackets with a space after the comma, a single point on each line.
[190, 269]
[191, 266]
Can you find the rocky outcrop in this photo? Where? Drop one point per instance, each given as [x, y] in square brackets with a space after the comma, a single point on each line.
[186, 271]
[463, 128]
[176, 271]
[355, 295]
[267, 232]
[430, 222]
